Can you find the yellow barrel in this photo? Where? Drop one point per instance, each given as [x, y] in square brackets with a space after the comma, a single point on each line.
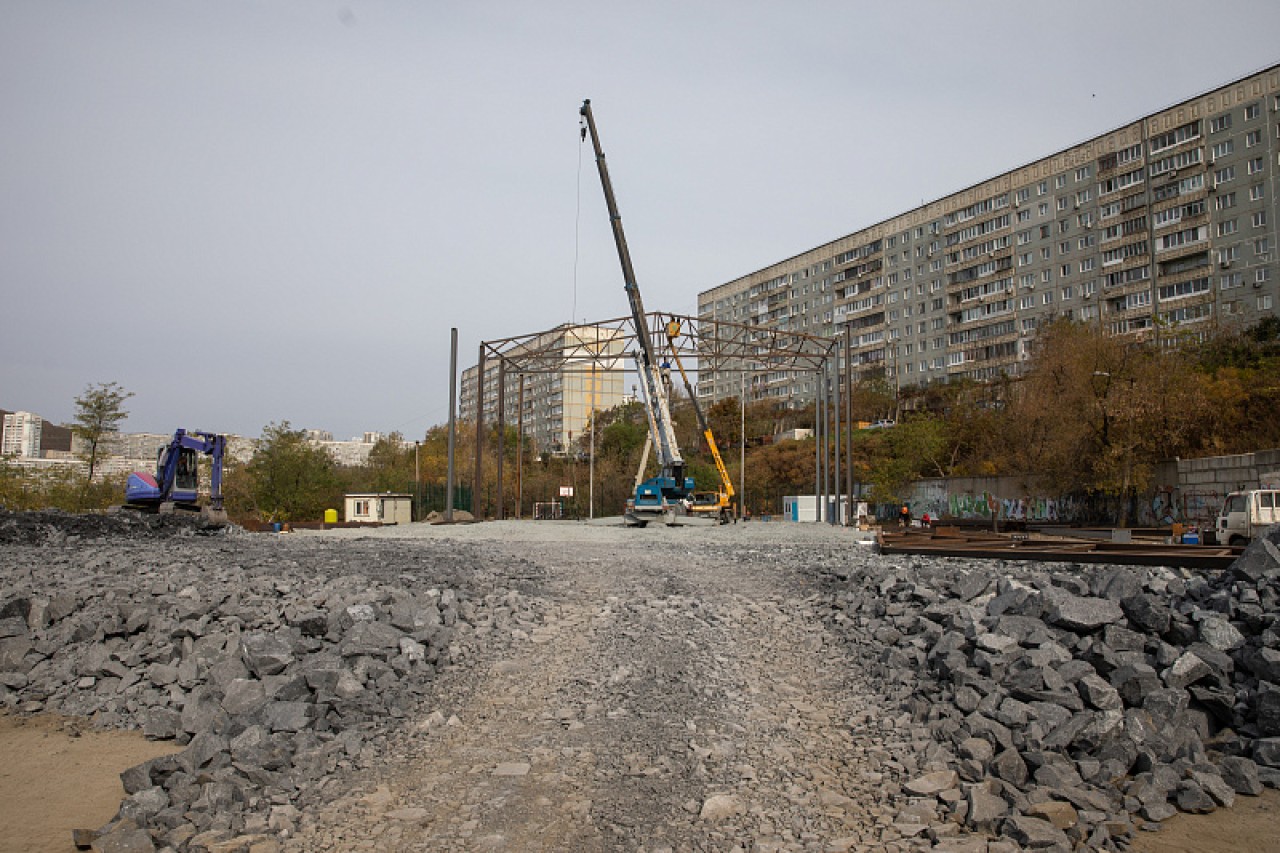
[330, 516]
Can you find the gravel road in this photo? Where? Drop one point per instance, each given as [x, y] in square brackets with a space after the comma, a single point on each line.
[674, 689]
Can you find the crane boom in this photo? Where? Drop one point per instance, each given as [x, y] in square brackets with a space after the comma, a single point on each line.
[671, 483]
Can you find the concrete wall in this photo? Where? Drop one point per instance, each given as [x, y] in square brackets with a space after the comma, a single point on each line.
[1190, 491]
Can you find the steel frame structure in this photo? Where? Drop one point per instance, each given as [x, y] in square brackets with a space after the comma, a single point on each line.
[715, 343]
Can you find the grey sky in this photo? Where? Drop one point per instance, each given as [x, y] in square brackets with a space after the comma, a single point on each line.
[248, 212]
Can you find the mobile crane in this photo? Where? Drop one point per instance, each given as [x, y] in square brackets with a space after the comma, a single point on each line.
[176, 482]
[662, 495]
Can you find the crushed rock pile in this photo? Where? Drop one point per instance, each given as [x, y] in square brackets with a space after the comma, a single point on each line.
[273, 663]
[57, 527]
[1069, 705]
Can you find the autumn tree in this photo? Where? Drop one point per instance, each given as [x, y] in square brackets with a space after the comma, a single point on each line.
[99, 413]
[1097, 412]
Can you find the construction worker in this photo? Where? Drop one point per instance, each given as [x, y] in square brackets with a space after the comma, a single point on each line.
[904, 516]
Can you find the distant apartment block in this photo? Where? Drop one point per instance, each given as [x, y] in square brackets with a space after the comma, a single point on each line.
[21, 435]
[1165, 225]
[582, 369]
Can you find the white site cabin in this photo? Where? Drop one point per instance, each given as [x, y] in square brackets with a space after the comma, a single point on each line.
[384, 507]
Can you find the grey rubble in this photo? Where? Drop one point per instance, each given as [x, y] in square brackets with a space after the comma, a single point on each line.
[1094, 698]
[1053, 708]
[277, 671]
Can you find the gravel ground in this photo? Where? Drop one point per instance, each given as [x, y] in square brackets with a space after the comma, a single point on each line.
[585, 686]
[679, 691]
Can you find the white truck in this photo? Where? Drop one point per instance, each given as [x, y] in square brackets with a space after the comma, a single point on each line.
[1247, 514]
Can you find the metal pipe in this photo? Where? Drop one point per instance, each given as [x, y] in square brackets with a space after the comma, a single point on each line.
[453, 421]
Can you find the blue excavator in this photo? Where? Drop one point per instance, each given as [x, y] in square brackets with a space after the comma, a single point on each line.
[175, 485]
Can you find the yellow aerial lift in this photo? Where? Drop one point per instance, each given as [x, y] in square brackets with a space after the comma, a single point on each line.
[718, 504]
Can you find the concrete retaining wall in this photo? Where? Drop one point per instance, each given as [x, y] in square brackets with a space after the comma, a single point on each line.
[1189, 491]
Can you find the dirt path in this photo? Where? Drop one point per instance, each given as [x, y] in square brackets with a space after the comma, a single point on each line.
[58, 775]
[673, 700]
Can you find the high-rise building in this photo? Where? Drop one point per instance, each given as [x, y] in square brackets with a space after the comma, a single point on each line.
[1165, 226]
[579, 369]
[21, 435]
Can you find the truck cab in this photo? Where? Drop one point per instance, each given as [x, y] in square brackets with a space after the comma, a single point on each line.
[1247, 514]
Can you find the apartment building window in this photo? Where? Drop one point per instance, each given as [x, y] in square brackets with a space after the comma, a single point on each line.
[937, 323]
[1224, 201]
[1084, 220]
[1177, 136]
[1027, 280]
[1027, 302]
[1042, 188]
[1262, 274]
[1252, 138]
[1068, 293]
[1255, 165]
[1255, 192]
[1252, 111]
[1262, 246]
[1022, 195]
[1064, 271]
[1059, 182]
[1043, 209]
[1064, 247]
[1046, 253]
[1062, 203]
[1264, 303]
[1228, 254]
[1024, 259]
[1227, 173]
[1220, 123]
[1223, 148]
[1259, 218]
[1024, 237]
[1227, 227]
[1046, 298]
[1046, 276]
[1084, 173]
[1024, 215]
[1085, 242]
[1064, 226]
[1087, 265]
[1084, 196]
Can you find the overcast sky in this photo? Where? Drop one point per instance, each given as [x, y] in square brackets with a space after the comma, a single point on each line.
[248, 212]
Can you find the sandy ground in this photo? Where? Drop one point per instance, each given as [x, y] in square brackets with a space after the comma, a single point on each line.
[1252, 825]
[57, 775]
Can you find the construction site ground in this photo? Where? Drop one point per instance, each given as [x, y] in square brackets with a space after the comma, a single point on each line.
[680, 691]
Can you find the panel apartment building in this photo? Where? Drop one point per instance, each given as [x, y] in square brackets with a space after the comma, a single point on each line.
[560, 392]
[1168, 223]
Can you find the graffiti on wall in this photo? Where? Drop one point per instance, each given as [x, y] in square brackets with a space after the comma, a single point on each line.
[1171, 505]
[1031, 508]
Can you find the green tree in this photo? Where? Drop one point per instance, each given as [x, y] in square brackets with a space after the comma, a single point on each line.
[291, 478]
[99, 412]
[390, 465]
